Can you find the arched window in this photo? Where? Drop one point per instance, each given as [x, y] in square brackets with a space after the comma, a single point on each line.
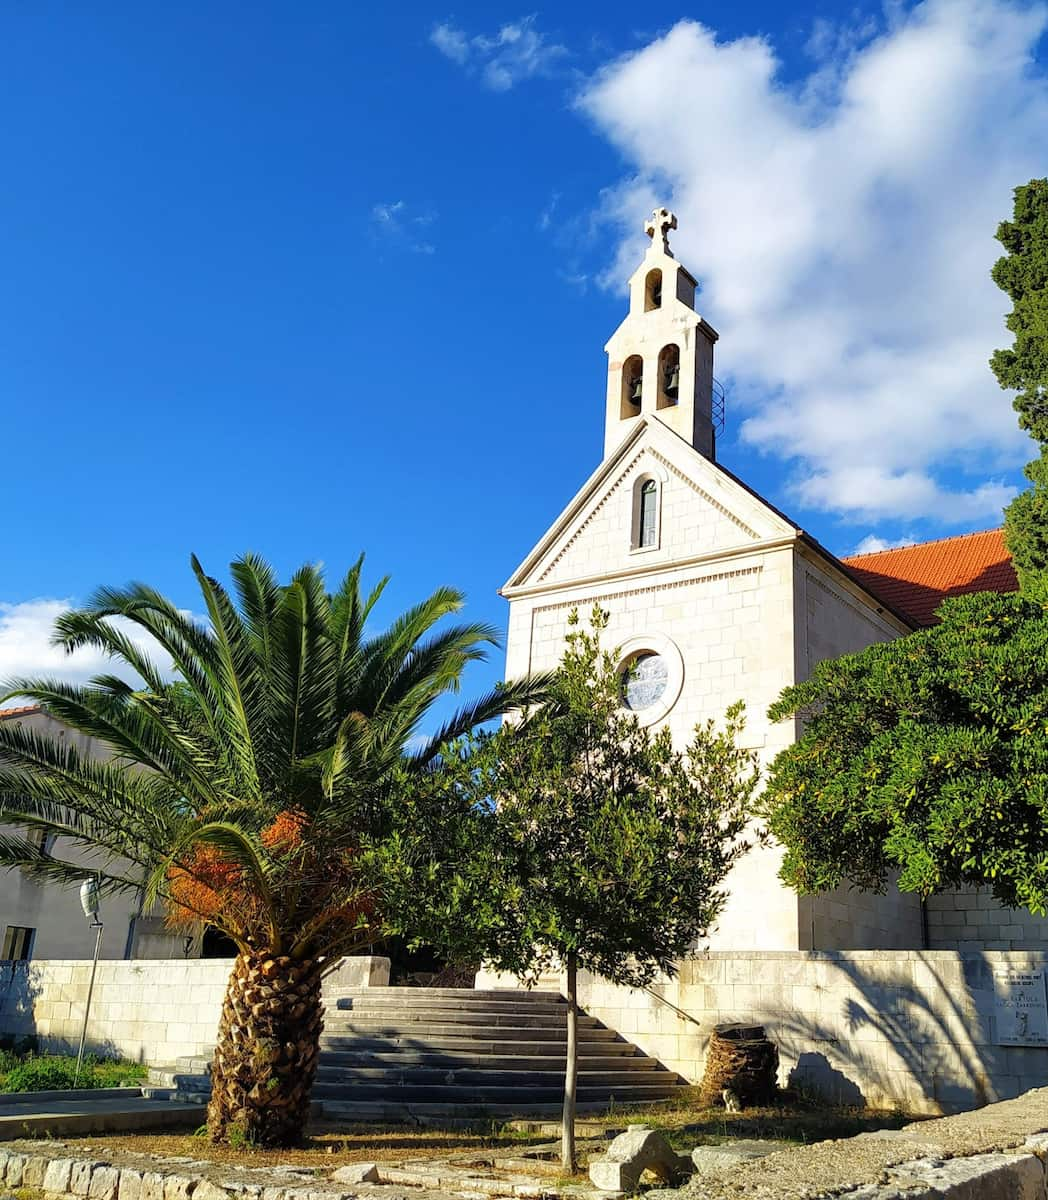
[647, 518]
[653, 290]
[632, 386]
[669, 376]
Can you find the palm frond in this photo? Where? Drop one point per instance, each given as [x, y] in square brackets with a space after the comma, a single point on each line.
[507, 698]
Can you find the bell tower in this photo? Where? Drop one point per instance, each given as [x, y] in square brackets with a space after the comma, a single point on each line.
[660, 359]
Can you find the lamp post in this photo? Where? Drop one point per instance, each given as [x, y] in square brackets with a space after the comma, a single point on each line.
[89, 896]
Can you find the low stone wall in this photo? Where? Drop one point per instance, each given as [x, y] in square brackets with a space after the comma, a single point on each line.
[997, 1153]
[912, 1028]
[149, 1010]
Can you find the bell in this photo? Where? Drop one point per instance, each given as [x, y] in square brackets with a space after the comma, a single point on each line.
[636, 388]
[656, 295]
[673, 379]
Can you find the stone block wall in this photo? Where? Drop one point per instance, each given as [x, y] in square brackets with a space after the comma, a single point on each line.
[971, 919]
[881, 1027]
[152, 1011]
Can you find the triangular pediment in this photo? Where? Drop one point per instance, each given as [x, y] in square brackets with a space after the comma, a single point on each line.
[703, 511]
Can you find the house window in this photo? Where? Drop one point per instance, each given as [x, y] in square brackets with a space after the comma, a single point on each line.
[647, 523]
[18, 943]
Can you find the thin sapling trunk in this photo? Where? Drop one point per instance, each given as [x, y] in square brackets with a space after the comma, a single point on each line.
[571, 1071]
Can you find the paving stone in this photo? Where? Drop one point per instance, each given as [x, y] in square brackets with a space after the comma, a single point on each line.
[981, 1177]
[178, 1187]
[710, 1160]
[14, 1169]
[56, 1175]
[206, 1190]
[365, 1172]
[104, 1182]
[33, 1171]
[80, 1176]
[152, 1186]
[130, 1187]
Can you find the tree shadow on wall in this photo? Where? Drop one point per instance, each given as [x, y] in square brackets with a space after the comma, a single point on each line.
[929, 1029]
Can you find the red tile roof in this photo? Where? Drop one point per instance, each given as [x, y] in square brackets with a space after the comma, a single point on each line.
[24, 711]
[916, 579]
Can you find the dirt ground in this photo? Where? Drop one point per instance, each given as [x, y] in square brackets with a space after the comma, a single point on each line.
[327, 1141]
[684, 1124]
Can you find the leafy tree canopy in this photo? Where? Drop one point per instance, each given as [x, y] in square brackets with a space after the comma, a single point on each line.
[594, 838]
[926, 756]
[1023, 274]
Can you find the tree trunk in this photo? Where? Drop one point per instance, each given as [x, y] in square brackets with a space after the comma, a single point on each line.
[571, 1072]
[267, 1050]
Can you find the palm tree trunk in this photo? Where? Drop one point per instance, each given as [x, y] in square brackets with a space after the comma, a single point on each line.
[571, 1071]
[267, 1050]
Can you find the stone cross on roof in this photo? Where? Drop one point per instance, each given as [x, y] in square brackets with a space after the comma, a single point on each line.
[661, 221]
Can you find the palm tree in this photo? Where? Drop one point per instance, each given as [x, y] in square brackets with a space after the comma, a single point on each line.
[257, 793]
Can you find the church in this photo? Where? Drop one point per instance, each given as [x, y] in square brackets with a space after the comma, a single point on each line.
[715, 596]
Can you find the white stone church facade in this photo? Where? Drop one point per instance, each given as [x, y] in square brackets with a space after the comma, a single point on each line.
[706, 585]
[715, 596]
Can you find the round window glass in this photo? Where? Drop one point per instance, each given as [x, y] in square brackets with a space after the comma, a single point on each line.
[644, 681]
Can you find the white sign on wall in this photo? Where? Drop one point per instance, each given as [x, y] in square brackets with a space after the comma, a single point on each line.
[1021, 1007]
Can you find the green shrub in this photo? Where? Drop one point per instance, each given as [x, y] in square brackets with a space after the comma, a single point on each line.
[114, 1072]
[41, 1074]
[53, 1072]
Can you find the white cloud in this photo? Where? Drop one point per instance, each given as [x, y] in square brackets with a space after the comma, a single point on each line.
[517, 51]
[872, 544]
[842, 229]
[26, 650]
[396, 225]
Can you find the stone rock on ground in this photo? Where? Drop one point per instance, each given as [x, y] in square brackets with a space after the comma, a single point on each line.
[357, 1173]
[632, 1153]
[982, 1177]
[710, 1160]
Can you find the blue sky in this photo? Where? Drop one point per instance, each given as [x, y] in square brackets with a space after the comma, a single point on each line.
[311, 279]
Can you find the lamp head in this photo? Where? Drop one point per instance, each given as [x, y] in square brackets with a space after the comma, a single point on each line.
[89, 896]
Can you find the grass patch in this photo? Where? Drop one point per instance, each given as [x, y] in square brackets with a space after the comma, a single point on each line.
[51, 1072]
[797, 1122]
[331, 1143]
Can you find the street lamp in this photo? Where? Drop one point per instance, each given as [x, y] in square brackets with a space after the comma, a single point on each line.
[90, 891]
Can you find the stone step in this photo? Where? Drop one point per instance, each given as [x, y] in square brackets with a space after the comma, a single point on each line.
[436, 1043]
[385, 1004]
[595, 1061]
[407, 995]
[165, 1077]
[495, 1094]
[514, 1047]
[451, 1016]
[426, 1032]
[521, 1081]
[453, 1057]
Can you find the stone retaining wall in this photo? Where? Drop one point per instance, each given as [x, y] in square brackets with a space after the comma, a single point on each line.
[149, 1010]
[913, 1028]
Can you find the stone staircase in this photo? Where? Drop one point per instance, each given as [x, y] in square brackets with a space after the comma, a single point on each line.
[440, 1055]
